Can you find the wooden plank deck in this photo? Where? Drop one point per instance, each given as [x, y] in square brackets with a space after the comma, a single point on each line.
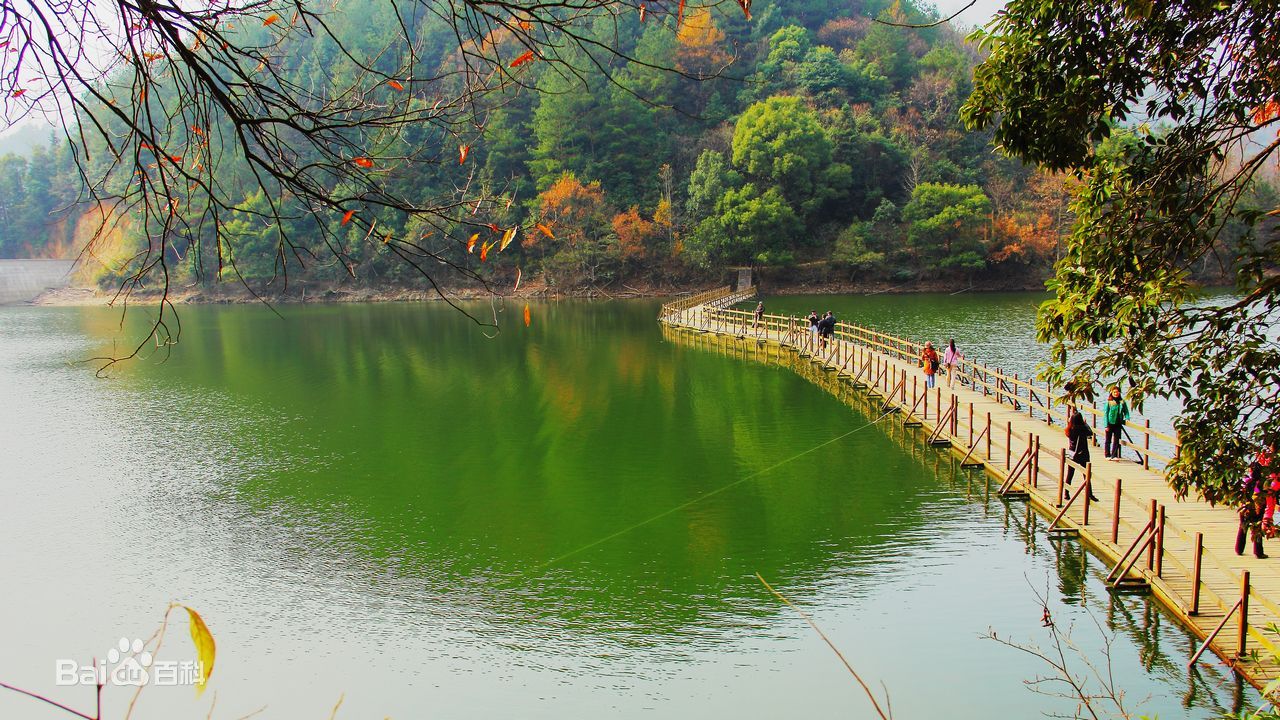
[1006, 424]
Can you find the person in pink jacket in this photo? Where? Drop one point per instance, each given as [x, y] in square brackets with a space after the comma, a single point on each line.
[951, 358]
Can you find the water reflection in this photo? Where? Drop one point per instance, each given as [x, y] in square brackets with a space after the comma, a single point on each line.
[366, 499]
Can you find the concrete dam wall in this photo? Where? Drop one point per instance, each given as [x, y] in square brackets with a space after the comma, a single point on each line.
[22, 280]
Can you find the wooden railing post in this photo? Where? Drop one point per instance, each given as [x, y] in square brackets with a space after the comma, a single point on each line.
[1151, 547]
[988, 437]
[1146, 446]
[1160, 543]
[1008, 444]
[1062, 473]
[1115, 514]
[1087, 489]
[1195, 575]
[1243, 635]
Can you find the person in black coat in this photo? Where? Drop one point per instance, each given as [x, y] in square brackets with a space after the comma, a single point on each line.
[826, 328]
[1079, 435]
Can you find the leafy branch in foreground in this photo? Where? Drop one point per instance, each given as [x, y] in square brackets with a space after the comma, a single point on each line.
[1168, 113]
[276, 122]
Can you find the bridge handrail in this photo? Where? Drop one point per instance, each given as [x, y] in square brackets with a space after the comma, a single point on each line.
[1008, 388]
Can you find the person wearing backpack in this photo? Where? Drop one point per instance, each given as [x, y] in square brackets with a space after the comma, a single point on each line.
[929, 361]
[1115, 415]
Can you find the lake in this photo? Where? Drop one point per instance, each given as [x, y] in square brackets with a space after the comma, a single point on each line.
[383, 505]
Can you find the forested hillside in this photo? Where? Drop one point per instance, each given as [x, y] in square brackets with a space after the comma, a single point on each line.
[807, 134]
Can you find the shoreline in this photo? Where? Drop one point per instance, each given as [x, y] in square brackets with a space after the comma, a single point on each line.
[238, 295]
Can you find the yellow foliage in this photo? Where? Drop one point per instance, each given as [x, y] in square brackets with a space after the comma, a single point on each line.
[701, 50]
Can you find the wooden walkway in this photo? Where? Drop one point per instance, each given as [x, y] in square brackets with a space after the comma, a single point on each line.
[1182, 551]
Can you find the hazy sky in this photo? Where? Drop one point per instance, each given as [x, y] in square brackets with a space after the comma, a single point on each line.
[975, 16]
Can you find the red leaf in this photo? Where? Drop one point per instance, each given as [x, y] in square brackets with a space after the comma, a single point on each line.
[19, 92]
[395, 85]
[363, 162]
[346, 217]
[642, 12]
[484, 251]
[746, 7]
[528, 56]
[463, 151]
[680, 15]
[270, 19]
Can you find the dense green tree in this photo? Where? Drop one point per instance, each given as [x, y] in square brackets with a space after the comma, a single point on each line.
[945, 224]
[1063, 76]
[780, 143]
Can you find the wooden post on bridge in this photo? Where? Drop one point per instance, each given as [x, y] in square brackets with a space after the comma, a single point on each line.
[988, 436]
[1062, 473]
[1151, 546]
[1195, 576]
[1160, 543]
[937, 405]
[1146, 446]
[1115, 514]
[1035, 464]
[1243, 635]
[1087, 489]
[1008, 445]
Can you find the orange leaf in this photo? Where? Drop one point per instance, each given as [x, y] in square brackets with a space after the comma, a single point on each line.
[346, 217]
[680, 15]
[528, 56]
[527, 318]
[526, 25]
[395, 85]
[197, 130]
[507, 237]
[363, 162]
[176, 158]
[642, 12]
[19, 92]
[274, 17]
[463, 151]
[484, 251]
[471, 244]
[546, 231]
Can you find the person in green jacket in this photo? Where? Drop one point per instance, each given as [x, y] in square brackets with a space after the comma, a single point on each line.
[1115, 415]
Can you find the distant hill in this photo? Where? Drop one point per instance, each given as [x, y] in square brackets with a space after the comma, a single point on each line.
[22, 138]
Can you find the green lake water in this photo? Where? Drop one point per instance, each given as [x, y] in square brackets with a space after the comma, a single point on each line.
[382, 504]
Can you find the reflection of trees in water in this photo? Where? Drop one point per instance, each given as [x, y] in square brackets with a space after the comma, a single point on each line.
[1139, 618]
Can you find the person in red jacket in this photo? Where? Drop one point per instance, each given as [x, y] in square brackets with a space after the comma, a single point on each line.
[1261, 484]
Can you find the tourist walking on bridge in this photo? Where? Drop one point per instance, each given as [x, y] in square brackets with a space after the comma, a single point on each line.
[826, 328]
[1261, 482]
[929, 361]
[1115, 415]
[951, 358]
[758, 315]
[1079, 435]
[813, 329]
